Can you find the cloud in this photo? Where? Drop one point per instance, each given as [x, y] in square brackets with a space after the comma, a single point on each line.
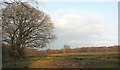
[66, 20]
[74, 20]
[80, 29]
[96, 17]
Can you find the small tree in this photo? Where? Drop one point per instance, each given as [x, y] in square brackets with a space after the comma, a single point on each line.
[25, 26]
[66, 48]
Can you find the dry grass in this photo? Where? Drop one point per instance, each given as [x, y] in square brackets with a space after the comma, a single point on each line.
[70, 60]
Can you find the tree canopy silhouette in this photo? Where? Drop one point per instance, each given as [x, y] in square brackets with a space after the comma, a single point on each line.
[26, 26]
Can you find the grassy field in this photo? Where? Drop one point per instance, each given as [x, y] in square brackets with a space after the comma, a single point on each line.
[67, 60]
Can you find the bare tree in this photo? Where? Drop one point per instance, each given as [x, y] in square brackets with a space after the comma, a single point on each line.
[26, 26]
[66, 46]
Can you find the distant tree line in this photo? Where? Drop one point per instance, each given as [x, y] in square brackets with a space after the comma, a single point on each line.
[66, 49]
[81, 50]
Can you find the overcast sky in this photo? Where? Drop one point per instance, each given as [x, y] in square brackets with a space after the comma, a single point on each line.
[83, 23]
